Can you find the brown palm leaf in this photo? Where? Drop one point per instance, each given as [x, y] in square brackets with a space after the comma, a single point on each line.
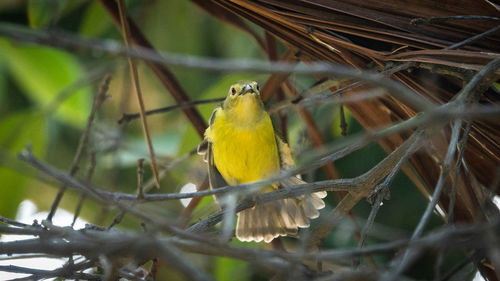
[375, 34]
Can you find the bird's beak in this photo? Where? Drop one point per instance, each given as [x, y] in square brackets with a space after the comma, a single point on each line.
[246, 89]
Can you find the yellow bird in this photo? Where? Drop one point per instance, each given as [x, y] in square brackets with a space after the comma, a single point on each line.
[240, 147]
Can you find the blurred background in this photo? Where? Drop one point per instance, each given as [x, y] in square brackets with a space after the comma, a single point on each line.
[45, 98]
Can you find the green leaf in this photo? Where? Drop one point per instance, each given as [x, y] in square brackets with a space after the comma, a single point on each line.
[3, 86]
[18, 130]
[95, 13]
[43, 73]
[496, 86]
[13, 191]
[228, 269]
[165, 144]
[44, 12]
[22, 128]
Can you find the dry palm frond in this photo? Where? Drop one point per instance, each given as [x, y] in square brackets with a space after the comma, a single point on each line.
[379, 34]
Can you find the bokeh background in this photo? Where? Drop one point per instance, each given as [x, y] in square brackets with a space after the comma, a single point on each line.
[46, 94]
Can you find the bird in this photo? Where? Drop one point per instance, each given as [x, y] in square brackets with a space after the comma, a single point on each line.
[241, 146]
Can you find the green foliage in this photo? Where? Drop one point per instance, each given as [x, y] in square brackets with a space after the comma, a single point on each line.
[95, 13]
[18, 130]
[45, 75]
[43, 103]
[3, 86]
[226, 269]
[46, 13]
[41, 13]
[496, 86]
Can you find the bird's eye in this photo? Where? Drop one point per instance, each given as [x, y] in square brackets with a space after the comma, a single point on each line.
[233, 91]
[258, 87]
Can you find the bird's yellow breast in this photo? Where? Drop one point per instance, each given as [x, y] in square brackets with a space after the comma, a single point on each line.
[244, 153]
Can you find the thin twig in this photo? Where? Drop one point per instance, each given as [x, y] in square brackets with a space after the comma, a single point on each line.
[456, 171]
[101, 194]
[91, 242]
[312, 130]
[103, 197]
[439, 264]
[97, 101]
[472, 39]
[166, 77]
[128, 117]
[135, 81]
[476, 86]
[382, 191]
[167, 168]
[399, 91]
[370, 179]
[140, 177]
[410, 254]
[343, 122]
[417, 21]
[12, 222]
[315, 95]
[332, 153]
[90, 173]
[455, 269]
[67, 271]
[117, 219]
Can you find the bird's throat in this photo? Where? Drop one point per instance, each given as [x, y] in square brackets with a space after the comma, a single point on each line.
[247, 111]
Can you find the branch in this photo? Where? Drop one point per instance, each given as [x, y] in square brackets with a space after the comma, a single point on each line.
[68, 271]
[92, 243]
[135, 81]
[96, 103]
[417, 21]
[165, 76]
[104, 197]
[144, 246]
[358, 188]
[464, 236]
[154, 58]
[369, 179]
[476, 86]
[128, 117]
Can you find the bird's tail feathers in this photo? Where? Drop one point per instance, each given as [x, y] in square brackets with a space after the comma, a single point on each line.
[264, 222]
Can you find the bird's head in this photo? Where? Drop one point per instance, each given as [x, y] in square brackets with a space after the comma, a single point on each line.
[243, 101]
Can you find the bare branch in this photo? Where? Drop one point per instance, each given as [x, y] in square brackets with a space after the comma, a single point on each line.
[65, 40]
[97, 101]
[135, 81]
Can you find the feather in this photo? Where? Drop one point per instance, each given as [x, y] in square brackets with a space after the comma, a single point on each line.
[264, 222]
[241, 146]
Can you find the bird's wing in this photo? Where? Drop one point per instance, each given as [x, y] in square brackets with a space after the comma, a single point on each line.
[286, 159]
[205, 148]
[286, 163]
